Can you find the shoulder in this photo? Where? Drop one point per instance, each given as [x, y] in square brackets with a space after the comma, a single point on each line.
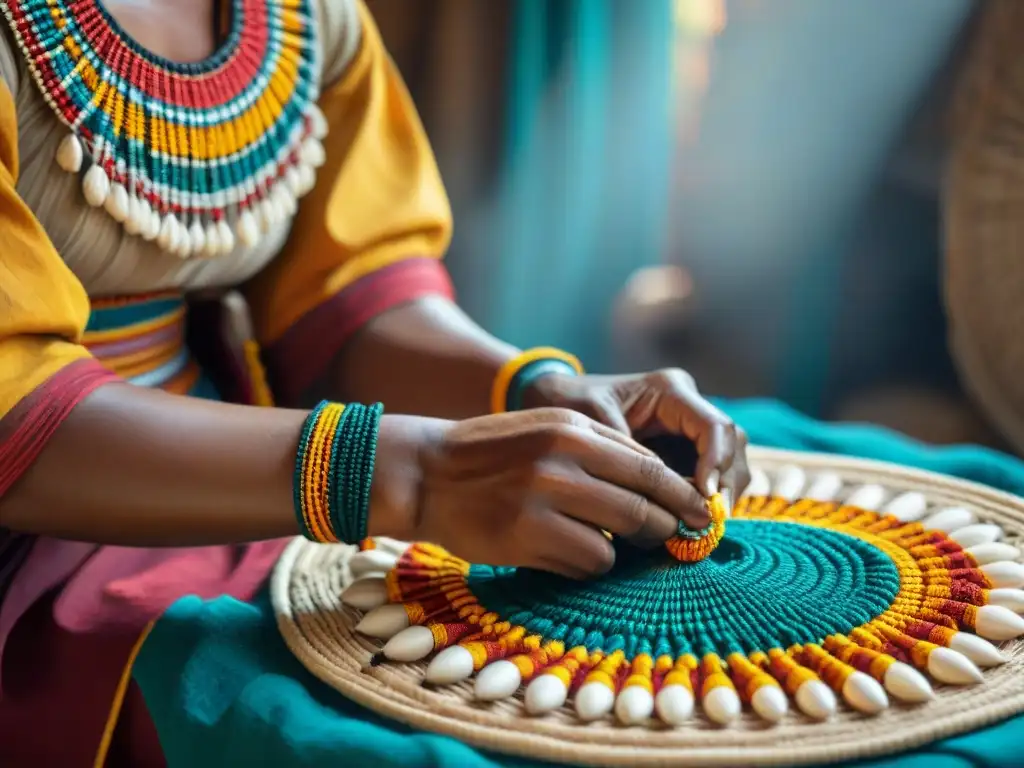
[340, 29]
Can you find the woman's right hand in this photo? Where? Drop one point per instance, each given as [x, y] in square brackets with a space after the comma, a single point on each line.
[532, 489]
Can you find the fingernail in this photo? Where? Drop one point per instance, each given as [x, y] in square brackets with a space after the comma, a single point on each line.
[727, 501]
[712, 482]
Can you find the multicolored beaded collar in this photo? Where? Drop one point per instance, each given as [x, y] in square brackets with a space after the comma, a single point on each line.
[193, 156]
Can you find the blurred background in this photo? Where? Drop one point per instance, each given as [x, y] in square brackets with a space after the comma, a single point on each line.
[748, 189]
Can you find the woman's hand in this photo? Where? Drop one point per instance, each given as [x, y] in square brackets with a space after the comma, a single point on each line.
[533, 488]
[662, 402]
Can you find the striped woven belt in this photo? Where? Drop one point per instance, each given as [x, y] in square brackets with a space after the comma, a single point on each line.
[142, 339]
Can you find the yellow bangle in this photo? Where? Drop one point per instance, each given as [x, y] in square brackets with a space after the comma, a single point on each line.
[508, 372]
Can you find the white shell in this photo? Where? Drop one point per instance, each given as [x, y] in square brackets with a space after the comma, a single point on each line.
[825, 487]
[1004, 574]
[138, 218]
[594, 701]
[371, 561]
[863, 693]
[69, 154]
[759, 485]
[384, 622]
[907, 684]
[269, 216]
[312, 152]
[293, 181]
[212, 246]
[973, 535]
[318, 122]
[117, 203]
[168, 233]
[248, 229]
[907, 506]
[95, 186]
[816, 700]
[977, 649]
[770, 702]
[949, 519]
[993, 552]
[997, 623]
[197, 238]
[789, 482]
[634, 705]
[151, 228]
[545, 694]
[282, 198]
[1008, 598]
[307, 178]
[674, 704]
[451, 665]
[949, 666]
[226, 237]
[721, 705]
[498, 680]
[182, 246]
[411, 644]
[366, 594]
[866, 497]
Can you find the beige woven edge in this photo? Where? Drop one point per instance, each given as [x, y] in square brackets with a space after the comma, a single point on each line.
[324, 642]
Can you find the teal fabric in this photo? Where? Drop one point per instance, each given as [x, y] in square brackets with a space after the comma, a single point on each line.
[223, 689]
[581, 196]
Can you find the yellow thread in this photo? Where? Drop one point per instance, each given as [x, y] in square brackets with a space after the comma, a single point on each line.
[508, 371]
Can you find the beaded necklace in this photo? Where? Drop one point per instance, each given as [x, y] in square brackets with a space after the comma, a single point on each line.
[195, 157]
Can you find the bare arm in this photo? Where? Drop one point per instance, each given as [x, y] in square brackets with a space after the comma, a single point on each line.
[137, 467]
[426, 357]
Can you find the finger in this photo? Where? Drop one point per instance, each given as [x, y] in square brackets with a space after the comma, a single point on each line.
[643, 474]
[716, 458]
[737, 478]
[622, 438]
[576, 546]
[605, 410]
[562, 569]
[606, 506]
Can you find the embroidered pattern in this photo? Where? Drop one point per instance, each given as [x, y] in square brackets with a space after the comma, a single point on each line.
[193, 156]
[802, 603]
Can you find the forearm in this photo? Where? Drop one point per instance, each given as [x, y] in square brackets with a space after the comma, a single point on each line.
[143, 468]
[426, 357]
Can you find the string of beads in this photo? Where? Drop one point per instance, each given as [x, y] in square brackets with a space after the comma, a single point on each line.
[196, 157]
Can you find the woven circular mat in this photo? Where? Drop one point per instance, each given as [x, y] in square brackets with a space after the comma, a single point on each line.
[983, 212]
[319, 630]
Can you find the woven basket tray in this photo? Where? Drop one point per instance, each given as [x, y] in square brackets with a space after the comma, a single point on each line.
[984, 220]
[319, 630]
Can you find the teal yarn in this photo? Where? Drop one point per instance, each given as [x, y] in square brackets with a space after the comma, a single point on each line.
[768, 585]
[528, 375]
[297, 476]
[351, 470]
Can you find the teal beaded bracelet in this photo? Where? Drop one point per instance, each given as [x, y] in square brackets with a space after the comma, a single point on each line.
[334, 471]
[528, 375]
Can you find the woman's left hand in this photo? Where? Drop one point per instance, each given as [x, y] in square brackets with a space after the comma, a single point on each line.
[662, 402]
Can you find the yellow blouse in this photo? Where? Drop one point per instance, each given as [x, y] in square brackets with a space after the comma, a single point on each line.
[379, 200]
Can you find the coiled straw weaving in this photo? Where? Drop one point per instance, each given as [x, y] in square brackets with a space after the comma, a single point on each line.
[852, 608]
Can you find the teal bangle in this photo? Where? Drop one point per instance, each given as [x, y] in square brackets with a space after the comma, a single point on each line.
[353, 476]
[334, 471]
[528, 375]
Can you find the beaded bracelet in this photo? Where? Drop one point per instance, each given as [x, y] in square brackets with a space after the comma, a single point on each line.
[517, 374]
[334, 471]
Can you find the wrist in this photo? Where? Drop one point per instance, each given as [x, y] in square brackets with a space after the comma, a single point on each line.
[396, 488]
[524, 380]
